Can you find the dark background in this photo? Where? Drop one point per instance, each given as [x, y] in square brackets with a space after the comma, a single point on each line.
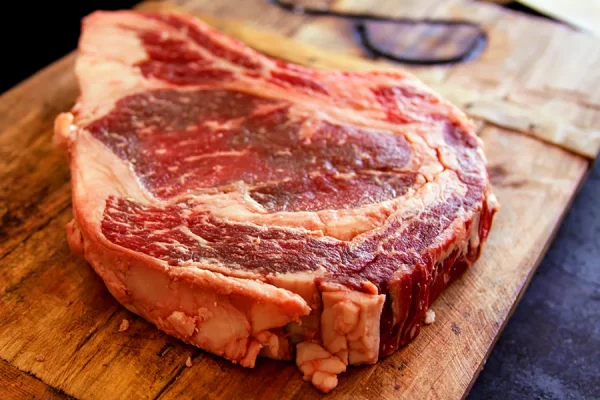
[34, 35]
[550, 348]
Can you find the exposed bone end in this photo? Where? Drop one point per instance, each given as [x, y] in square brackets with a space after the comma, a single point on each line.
[350, 324]
[318, 365]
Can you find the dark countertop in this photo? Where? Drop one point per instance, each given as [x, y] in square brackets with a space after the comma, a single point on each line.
[550, 348]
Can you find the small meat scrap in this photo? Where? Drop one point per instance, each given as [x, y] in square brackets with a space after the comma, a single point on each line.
[40, 358]
[429, 317]
[124, 325]
[188, 362]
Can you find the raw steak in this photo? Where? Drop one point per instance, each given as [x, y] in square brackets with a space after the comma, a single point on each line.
[254, 207]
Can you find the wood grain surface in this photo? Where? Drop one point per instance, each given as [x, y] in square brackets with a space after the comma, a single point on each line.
[490, 88]
[59, 326]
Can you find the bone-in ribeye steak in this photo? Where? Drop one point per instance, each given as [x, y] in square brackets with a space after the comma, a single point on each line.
[254, 207]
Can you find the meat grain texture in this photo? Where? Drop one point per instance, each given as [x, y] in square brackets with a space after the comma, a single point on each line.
[253, 207]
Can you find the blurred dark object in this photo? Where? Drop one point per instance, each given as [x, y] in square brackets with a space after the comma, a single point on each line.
[405, 40]
[581, 15]
[35, 35]
[550, 348]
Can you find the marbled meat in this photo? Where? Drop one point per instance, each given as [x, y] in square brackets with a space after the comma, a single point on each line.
[250, 207]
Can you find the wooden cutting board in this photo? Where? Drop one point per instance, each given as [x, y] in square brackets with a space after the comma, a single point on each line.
[536, 113]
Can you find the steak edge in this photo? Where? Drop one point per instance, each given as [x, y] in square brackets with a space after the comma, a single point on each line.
[253, 207]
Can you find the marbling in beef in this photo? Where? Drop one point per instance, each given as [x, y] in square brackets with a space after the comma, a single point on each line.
[253, 207]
